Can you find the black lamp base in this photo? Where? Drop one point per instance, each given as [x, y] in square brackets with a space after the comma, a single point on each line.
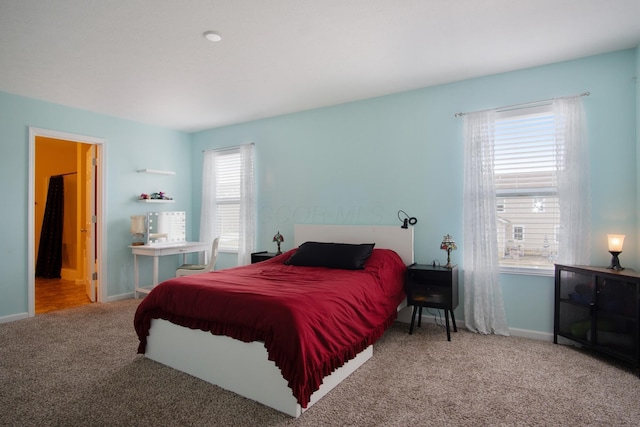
[615, 262]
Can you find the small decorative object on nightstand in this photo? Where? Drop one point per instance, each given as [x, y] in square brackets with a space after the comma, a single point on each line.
[278, 238]
[261, 256]
[432, 286]
[448, 245]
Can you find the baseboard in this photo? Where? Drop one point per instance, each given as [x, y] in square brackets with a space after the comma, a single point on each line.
[429, 315]
[534, 335]
[120, 297]
[21, 316]
[436, 316]
[14, 317]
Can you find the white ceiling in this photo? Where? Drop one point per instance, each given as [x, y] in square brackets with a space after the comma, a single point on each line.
[146, 60]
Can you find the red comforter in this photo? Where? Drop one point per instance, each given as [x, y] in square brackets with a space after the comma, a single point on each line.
[312, 319]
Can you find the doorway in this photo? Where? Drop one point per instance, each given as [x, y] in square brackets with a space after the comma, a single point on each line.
[77, 162]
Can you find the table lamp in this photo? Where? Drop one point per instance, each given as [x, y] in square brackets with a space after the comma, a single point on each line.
[278, 238]
[615, 248]
[138, 229]
[448, 245]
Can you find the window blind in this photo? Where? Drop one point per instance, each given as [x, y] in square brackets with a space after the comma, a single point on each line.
[228, 176]
[527, 208]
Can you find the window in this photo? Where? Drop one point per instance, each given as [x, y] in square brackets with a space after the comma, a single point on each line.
[227, 202]
[538, 205]
[526, 188]
[518, 232]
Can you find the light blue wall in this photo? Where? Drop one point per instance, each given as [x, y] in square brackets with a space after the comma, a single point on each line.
[358, 163]
[130, 146]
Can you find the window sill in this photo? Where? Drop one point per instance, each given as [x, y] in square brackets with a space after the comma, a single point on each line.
[227, 251]
[528, 271]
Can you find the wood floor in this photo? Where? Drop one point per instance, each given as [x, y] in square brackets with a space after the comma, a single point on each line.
[58, 294]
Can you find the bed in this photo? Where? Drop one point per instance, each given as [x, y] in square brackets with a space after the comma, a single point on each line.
[294, 337]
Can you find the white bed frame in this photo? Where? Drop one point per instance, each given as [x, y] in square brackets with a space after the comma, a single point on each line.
[244, 368]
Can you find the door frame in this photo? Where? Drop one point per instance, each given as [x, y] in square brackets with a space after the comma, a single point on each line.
[101, 235]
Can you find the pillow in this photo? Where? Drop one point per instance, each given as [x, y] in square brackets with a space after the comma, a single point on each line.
[332, 255]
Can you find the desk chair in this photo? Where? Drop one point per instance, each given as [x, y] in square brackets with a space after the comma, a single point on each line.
[188, 269]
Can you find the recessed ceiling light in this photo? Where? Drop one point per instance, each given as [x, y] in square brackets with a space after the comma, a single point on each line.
[212, 36]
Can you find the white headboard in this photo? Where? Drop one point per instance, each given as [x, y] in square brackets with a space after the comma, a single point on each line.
[384, 236]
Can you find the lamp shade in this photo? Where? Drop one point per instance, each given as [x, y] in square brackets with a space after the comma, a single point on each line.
[448, 244]
[615, 242]
[279, 238]
[138, 224]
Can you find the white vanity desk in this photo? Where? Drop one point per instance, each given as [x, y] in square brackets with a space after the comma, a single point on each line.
[158, 250]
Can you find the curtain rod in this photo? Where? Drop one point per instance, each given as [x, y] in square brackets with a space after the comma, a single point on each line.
[525, 105]
[235, 147]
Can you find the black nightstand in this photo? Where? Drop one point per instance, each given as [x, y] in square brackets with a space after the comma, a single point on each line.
[435, 287]
[261, 256]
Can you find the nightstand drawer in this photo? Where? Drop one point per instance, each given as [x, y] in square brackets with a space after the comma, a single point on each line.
[261, 256]
[424, 276]
[436, 295]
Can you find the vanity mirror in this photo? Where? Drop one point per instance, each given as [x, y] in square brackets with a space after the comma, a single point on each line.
[166, 227]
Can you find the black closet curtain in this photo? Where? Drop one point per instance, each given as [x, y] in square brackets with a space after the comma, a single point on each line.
[49, 262]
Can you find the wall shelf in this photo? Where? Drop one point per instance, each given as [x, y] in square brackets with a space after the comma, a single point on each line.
[157, 171]
[155, 201]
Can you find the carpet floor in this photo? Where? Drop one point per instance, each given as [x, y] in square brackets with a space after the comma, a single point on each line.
[80, 367]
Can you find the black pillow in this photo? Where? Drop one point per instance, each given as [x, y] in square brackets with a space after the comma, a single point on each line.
[333, 255]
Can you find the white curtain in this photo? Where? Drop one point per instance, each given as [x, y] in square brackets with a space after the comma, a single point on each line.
[572, 161]
[483, 304]
[247, 220]
[247, 232]
[208, 221]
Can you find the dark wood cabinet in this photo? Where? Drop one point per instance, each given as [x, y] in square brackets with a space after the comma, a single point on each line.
[434, 287]
[261, 256]
[598, 308]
